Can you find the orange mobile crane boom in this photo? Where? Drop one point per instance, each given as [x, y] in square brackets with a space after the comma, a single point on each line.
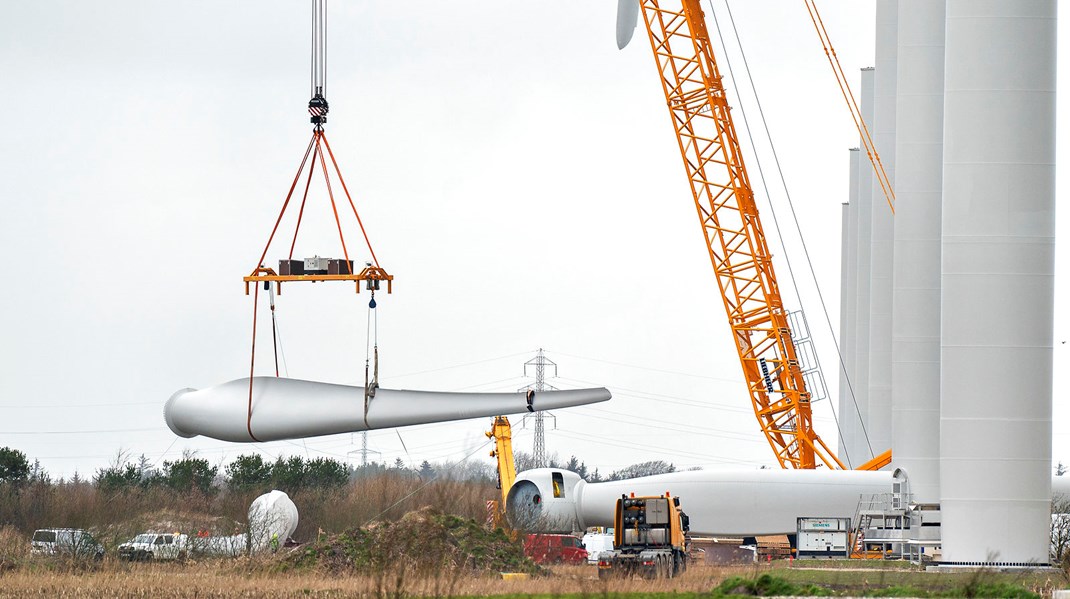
[737, 245]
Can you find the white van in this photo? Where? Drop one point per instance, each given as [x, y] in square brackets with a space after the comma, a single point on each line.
[73, 542]
[597, 542]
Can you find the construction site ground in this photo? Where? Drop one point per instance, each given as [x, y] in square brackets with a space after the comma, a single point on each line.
[261, 577]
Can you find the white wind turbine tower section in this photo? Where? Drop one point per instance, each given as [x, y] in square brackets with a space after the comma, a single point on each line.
[862, 451]
[997, 275]
[916, 280]
[850, 451]
[882, 124]
[845, 283]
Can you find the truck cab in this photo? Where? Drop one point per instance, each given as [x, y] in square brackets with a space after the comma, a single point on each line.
[154, 546]
[649, 538]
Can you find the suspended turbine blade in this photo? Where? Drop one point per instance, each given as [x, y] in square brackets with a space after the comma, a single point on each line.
[284, 408]
[627, 17]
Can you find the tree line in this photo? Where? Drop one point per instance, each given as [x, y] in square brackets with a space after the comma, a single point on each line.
[247, 472]
[293, 473]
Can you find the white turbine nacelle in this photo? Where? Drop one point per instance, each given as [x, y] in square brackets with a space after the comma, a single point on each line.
[731, 503]
[294, 409]
[718, 502]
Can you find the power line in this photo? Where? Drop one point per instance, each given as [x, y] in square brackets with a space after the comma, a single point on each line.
[656, 450]
[397, 376]
[676, 372]
[664, 398]
[87, 405]
[114, 430]
[645, 421]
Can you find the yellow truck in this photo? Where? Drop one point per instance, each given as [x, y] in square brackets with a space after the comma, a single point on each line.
[649, 538]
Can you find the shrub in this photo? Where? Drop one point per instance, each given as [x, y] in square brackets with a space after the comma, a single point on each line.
[14, 548]
[766, 585]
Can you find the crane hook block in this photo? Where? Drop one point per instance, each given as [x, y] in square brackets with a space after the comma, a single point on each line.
[371, 304]
[318, 108]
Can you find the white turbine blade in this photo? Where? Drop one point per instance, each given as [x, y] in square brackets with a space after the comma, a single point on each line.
[285, 408]
[627, 17]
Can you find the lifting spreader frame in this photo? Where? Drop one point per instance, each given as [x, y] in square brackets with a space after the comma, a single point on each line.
[372, 273]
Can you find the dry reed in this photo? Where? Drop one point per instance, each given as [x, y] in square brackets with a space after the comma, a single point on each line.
[234, 579]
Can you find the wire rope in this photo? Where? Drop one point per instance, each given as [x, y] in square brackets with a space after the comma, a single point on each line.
[324, 79]
[802, 239]
[274, 328]
[852, 106]
[791, 205]
[367, 344]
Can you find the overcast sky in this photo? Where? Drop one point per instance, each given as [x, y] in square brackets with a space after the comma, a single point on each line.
[516, 173]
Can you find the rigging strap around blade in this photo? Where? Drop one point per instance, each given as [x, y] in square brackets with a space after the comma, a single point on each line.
[371, 341]
[252, 366]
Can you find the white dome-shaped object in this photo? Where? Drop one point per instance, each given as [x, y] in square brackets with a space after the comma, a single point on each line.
[272, 515]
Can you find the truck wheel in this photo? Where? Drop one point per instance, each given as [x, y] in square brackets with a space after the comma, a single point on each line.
[654, 572]
[603, 574]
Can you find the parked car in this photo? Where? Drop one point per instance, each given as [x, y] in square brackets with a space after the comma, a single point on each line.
[72, 542]
[555, 549]
[596, 543]
[155, 546]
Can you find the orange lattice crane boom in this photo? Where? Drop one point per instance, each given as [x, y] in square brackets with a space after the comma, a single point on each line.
[737, 244]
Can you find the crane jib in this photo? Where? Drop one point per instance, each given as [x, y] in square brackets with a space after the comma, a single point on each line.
[725, 203]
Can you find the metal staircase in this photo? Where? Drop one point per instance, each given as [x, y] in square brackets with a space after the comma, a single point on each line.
[881, 526]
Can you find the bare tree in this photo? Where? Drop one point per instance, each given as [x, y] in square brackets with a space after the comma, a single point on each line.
[1060, 531]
